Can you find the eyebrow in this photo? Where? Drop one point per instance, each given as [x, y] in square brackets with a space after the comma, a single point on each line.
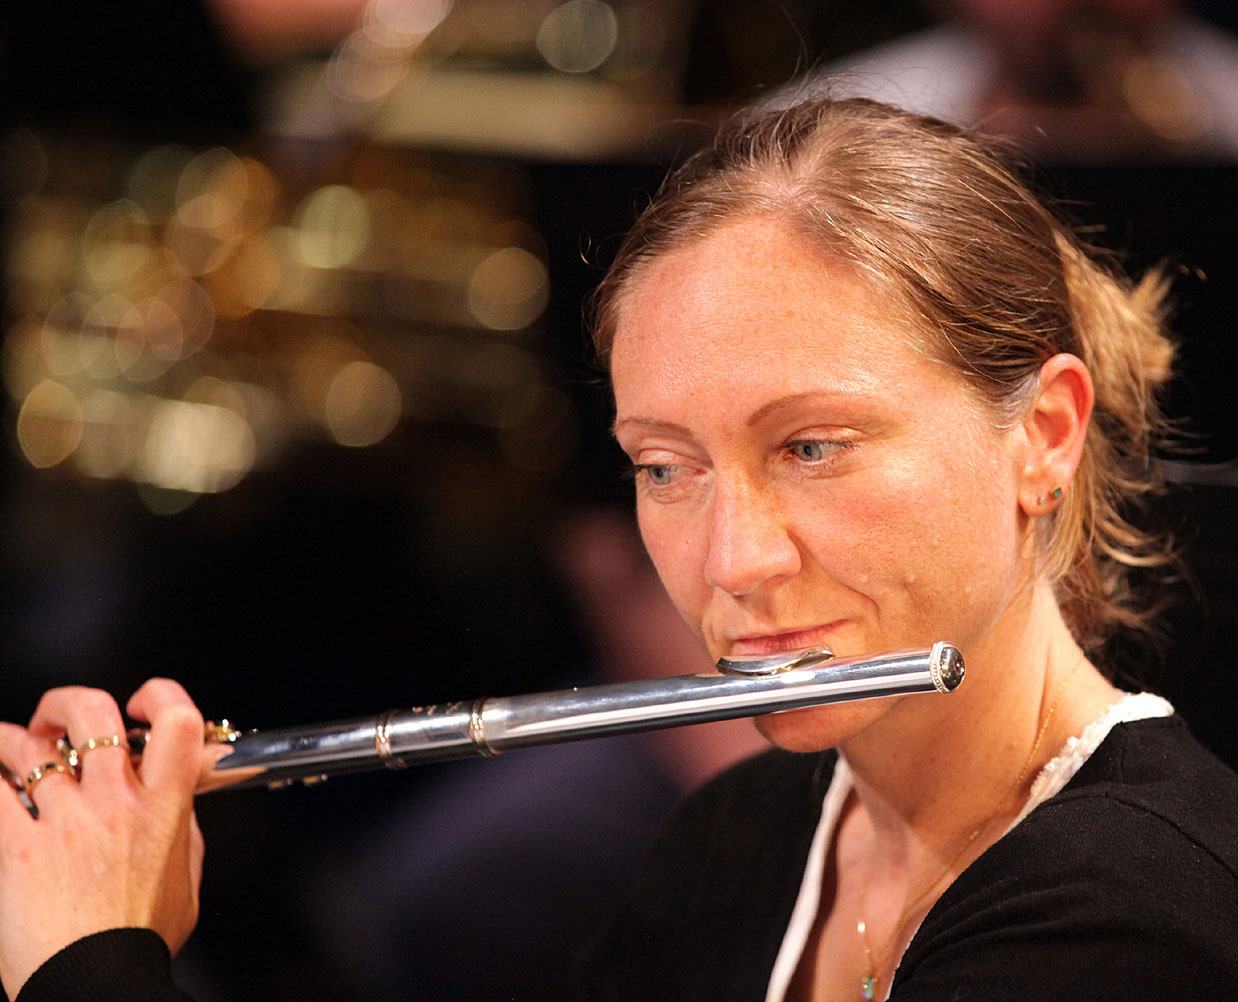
[765, 410]
[757, 416]
[667, 426]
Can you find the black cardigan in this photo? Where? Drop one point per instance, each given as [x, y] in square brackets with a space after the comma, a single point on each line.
[1124, 885]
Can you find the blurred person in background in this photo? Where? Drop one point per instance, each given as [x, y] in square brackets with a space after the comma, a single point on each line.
[1074, 80]
[478, 886]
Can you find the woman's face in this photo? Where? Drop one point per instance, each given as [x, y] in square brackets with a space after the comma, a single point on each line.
[805, 474]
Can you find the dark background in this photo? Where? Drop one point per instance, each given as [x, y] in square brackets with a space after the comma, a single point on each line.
[317, 589]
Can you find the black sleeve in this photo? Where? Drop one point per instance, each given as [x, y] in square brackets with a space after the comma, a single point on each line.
[120, 965]
[1091, 898]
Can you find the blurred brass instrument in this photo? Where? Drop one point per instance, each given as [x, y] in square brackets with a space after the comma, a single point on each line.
[742, 687]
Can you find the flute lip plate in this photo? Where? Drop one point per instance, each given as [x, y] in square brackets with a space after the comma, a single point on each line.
[774, 664]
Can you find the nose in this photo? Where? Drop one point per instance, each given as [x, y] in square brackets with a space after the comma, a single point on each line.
[749, 544]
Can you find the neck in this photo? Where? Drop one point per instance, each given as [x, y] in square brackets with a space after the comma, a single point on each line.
[937, 781]
[962, 762]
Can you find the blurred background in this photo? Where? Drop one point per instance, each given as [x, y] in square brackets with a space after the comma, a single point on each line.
[298, 407]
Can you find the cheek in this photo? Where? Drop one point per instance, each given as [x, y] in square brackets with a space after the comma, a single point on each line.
[926, 536]
[960, 560]
[674, 555]
[865, 529]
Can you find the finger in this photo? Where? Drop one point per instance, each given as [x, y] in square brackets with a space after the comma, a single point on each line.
[86, 716]
[12, 743]
[172, 759]
[24, 749]
[54, 780]
[111, 748]
[14, 747]
[16, 807]
[19, 802]
[176, 911]
[157, 694]
[77, 711]
[197, 851]
[197, 856]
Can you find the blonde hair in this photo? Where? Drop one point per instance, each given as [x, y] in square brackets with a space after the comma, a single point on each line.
[994, 282]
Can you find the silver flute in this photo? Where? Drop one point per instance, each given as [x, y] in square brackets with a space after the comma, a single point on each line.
[742, 687]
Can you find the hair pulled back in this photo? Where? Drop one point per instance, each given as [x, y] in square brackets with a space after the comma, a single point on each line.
[995, 284]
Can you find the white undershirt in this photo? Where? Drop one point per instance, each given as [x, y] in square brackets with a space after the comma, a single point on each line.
[1055, 775]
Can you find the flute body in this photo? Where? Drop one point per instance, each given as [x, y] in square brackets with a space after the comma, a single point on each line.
[742, 688]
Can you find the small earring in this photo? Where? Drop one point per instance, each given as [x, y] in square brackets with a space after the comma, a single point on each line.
[1053, 496]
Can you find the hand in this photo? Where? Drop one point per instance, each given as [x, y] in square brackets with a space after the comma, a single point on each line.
[115, 847]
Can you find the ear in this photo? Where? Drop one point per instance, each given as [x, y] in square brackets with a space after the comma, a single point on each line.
[1054, 428]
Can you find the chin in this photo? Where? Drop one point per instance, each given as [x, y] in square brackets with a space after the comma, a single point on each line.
[820, 727]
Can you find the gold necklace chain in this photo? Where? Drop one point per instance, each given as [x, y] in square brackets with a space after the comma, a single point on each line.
[868, 984]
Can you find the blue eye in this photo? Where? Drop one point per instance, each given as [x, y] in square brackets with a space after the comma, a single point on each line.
[810, 451]
[659, 475]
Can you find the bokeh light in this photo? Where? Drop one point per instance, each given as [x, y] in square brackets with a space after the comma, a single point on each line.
[362, 404]
[509, 289]
[578, 36]
[116, 244]
[333, 227]
[49, 424]
[405, 21]
[200, 448]
[179, 318]
[110, 434]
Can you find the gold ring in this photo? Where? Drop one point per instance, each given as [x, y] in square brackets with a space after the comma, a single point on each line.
[69, 754]
[38, 772]
[111, 741]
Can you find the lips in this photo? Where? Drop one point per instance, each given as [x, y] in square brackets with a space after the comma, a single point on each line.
[790, 640]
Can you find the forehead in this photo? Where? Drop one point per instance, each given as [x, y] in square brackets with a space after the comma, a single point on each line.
[756, 302]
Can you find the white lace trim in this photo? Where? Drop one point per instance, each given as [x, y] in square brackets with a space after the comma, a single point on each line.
[1061, 769]
[1056, 773]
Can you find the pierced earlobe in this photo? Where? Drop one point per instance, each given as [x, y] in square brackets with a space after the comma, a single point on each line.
[1053, 496]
